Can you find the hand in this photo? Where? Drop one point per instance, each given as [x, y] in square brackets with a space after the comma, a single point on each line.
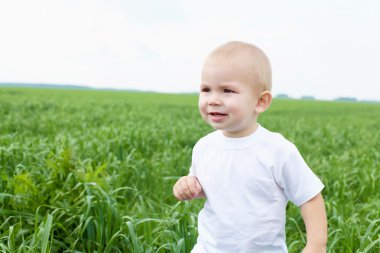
[187, 187]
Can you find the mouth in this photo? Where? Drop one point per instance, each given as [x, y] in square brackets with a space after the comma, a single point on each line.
[217, 114]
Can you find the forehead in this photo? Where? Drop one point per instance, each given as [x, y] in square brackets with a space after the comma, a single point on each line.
[227, 70]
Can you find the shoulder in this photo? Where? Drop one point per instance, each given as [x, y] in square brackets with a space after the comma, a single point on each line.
[206, 140]
[277, 143]
[277, 149]
[202, 145]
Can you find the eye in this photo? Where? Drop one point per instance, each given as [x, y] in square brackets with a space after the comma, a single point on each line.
[229, 91]
[205, 89]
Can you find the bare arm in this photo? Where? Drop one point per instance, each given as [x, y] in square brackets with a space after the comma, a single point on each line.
[314, 217]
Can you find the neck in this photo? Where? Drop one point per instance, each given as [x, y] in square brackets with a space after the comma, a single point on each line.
[240, 134]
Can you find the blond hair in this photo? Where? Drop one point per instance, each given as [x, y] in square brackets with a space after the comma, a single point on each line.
[255, 58]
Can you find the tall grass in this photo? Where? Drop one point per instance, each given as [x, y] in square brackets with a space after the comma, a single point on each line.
[91, 171]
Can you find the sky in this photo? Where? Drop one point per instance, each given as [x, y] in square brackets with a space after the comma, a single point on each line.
[325, 49]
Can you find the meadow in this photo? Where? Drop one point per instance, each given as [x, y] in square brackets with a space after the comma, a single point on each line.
[92, 171]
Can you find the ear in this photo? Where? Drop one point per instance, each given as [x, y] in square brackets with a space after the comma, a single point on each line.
[263, 102]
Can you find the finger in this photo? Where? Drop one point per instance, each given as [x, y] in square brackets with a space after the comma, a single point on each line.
[177, 190]
[176, 194]
[198, 186]
[186, 189]
[181, 194]
[191, 184]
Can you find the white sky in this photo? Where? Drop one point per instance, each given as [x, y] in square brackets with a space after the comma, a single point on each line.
[326, 49]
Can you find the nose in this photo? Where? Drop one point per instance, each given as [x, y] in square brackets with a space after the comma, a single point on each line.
[214, 99]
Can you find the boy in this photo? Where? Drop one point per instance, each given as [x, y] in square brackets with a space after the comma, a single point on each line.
[246, 173]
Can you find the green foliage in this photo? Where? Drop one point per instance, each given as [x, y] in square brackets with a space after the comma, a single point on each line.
[91, 171]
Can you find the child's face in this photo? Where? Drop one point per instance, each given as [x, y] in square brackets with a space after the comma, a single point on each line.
[228, 98]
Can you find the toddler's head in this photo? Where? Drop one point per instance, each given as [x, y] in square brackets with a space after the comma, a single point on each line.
[235, 88]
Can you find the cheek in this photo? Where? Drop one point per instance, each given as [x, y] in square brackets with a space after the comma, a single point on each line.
[239, 107]
[202, 103]
[234, 105]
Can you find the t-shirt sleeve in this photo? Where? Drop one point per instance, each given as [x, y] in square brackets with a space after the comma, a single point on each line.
[299, 182]
[194, 159]
[192, 171]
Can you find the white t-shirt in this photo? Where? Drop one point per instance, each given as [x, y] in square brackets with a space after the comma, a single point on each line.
[248, 182]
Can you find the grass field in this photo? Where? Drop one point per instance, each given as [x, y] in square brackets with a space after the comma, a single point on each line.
[92, 171]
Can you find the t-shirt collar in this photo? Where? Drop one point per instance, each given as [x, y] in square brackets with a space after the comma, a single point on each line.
[240, 142]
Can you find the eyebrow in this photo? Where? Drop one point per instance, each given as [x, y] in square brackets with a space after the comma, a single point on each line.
[227, 85]
[223, 85]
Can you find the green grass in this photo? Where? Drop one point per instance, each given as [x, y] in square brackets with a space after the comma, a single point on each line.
[92, 171]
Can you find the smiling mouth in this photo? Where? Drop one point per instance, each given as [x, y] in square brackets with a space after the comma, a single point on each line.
[217, 114]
